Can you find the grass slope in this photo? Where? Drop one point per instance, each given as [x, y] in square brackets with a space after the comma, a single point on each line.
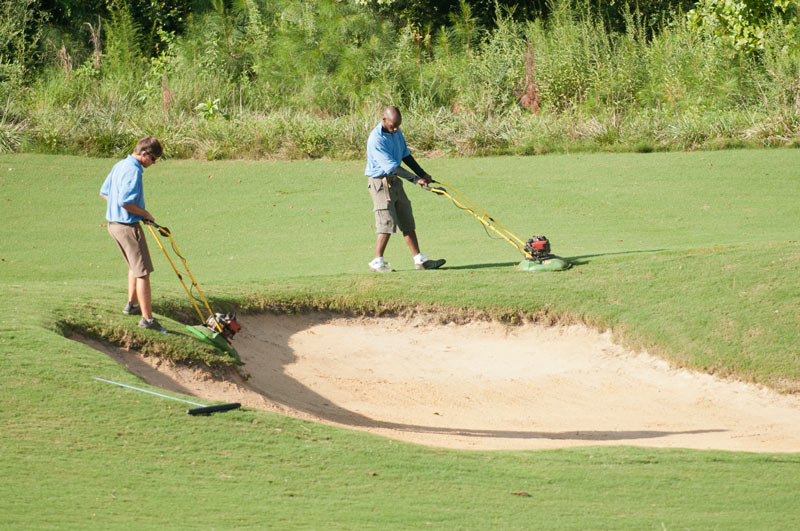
[693, 256]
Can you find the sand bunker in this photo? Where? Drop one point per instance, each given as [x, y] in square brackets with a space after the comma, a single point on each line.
[483, 386]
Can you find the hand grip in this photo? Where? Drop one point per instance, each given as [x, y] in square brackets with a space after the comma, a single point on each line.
[163, 230]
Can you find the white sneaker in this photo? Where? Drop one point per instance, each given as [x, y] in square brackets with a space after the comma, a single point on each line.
[377, 265]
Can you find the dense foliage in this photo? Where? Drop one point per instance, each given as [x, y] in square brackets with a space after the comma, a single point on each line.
[281, 78]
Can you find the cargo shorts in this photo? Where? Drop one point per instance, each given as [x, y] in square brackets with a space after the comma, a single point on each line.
[130, 239]
[392, 208]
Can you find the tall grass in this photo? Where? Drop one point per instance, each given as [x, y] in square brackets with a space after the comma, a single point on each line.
[303, 79]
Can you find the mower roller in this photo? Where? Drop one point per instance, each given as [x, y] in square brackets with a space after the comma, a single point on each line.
[217, 329]
[536, 250]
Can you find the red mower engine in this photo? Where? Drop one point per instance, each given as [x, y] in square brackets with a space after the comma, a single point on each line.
[538, 247]
[226, 321]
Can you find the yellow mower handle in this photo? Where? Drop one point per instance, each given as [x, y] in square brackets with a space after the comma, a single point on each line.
[165, 232]
[435, 189]
[481, 215]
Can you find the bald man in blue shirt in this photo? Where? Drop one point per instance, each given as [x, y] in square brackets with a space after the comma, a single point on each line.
[386, 151]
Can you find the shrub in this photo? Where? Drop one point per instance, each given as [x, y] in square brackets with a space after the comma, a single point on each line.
[310, 79]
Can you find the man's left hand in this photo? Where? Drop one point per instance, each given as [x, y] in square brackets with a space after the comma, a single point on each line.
[425, 180]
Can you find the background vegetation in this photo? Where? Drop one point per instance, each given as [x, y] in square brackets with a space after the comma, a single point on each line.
[274, 78]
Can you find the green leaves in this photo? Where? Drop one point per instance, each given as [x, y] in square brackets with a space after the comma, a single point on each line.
[208, 110]
[123, 50]
[740, 24]
[21, 24]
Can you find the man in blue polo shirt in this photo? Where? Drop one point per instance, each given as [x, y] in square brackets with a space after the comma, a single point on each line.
[124, 194]
[386, 151]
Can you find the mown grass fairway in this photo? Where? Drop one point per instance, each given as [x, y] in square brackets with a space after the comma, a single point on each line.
[693, 256]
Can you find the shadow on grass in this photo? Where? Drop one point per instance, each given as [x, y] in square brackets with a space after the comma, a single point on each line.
[581, 259]
[572, 260]
[481, 266]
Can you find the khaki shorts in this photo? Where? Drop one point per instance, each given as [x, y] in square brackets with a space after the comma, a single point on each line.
[130, 239]
[392, 208]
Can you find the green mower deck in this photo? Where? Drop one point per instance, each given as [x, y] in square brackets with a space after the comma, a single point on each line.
[553, 263]
[215, 339]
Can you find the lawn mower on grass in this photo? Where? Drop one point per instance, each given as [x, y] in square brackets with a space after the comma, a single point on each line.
[536, 250]
[217, 329]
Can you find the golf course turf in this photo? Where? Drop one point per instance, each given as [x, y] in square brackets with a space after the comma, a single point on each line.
[690, 256]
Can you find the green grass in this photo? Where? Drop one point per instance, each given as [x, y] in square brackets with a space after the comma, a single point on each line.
[693, 256]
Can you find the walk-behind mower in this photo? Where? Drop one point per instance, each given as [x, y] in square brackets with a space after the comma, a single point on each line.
[217, 329]
[536, 250]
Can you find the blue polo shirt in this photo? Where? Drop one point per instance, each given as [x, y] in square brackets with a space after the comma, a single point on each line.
[123, 186]
[385, 152]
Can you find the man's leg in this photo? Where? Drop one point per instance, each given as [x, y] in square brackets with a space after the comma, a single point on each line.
[132, 297]
[378, 264]
[143, 294]
[411, 240]
[420, 260]
[380, 244]
[404, 216]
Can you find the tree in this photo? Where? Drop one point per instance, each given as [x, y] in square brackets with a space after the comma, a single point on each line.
[741, 23]
[20, 31]
[153, 17]
[437, 13]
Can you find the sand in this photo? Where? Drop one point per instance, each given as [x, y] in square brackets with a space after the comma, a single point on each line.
[481, 385]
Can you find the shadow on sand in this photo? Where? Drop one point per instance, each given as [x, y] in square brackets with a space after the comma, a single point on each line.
[270, 351]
